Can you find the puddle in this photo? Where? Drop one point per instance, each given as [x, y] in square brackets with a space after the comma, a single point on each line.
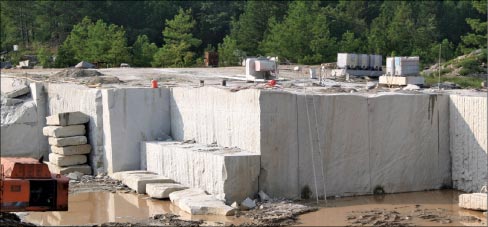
[91, 208]
[444, 202]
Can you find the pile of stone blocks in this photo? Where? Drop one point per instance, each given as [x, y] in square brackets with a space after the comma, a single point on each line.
[69, 147]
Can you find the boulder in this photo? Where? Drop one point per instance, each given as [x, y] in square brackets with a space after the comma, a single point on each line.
[67, 141]
[64, 131]
[247, 204]
[21, 90]
[84, 65]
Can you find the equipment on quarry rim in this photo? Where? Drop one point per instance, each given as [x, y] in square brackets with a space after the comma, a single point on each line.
[261, 68]
[27, 185]
[154, 84]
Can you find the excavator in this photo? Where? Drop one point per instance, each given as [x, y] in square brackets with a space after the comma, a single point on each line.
[26, 184]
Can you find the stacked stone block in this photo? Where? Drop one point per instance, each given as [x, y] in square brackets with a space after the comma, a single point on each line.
[69, 144]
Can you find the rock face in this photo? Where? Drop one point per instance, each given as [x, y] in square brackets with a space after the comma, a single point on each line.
[68, 118]
[148, 111]
[64, 131]
[72, 150]
[474, 201]
[228, 173]
[197, 202]
[162, 190]
[63, 160]
[67, 141]
[468, 142]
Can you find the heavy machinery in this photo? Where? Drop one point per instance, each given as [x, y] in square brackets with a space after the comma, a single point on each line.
[27, 185]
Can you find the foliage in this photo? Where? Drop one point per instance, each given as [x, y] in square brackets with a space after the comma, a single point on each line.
[462, 81]
[177, 52]
[44, 57]
[300, 31]
[227, 52]
[143, 52]
[95, 42]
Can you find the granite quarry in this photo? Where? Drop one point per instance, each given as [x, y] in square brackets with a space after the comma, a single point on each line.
[207, 146]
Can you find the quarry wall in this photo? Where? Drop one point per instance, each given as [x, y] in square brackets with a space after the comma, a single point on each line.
[330, 144]
[468, 142]
[131, 116]
[67, 98]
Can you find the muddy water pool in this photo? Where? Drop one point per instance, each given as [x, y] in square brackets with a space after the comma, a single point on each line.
[89, 208]
[429, 208]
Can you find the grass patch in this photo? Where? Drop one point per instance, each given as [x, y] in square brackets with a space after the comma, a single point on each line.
[463, 81]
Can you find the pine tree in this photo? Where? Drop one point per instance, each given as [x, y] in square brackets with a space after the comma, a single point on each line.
[143, 51]
[179, 41]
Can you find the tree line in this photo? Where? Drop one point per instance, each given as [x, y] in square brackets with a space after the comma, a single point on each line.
[176, 33]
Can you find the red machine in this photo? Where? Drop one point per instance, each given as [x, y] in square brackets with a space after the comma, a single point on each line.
[27, 185]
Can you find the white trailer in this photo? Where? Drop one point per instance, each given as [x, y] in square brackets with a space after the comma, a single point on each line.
[363, 61]
[375, 62]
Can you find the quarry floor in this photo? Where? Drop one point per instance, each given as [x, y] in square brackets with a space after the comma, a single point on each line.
[101, 201]
[289, 79]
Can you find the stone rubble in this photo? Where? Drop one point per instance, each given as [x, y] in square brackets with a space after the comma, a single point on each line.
[197, 202]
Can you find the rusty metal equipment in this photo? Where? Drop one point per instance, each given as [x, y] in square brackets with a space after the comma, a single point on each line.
[211, 59]
[27, 185]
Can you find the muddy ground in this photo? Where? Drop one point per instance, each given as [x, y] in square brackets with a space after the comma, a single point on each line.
[280, 212]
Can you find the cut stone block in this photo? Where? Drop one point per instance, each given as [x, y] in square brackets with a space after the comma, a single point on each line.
[64, 131]
[229, 174]
[123, 174]
[22, 90]
[197, 202]
[85, 169]
[473, 201]
[72, 150]
[162, 190]
[69, 118]
[67, 160]
[67, 141]
[11, 101]
[138, 182]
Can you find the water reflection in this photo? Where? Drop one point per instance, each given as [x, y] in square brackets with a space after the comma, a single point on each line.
[101, 207]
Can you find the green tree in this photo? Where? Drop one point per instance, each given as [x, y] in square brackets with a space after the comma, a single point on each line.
[302, 37]
[477, 38]
[228, 54]
[95, 42]
[44, 57]
[179, 41]
[143, 51]
[349, 44]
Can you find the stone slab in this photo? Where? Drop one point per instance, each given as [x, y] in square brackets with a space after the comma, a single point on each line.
[11, 101]
[162, 190]
[67, 141]
[72, 150]
[10, 84]
[138, 182]
[85, 169]
[401, 80]
[64, 131]
[229, 174]
[67, 160]
[22, 90]
[474, 201]
[67, 118]
[123, 174]
[197, 202]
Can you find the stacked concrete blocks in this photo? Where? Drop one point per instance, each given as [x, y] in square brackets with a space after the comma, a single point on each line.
[66, 132]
